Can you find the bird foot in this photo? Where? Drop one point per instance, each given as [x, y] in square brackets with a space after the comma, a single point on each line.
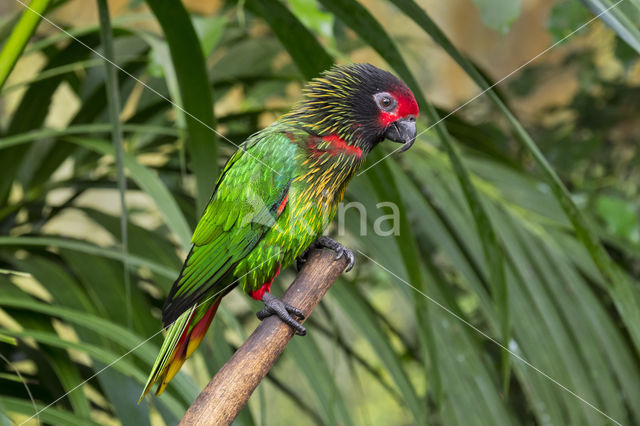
[284, 311]
[330, 243]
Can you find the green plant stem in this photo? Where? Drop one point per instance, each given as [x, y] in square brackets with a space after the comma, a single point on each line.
[113, 100]
[20, 37]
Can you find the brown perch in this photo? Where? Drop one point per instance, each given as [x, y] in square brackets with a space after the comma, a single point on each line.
[229, 390]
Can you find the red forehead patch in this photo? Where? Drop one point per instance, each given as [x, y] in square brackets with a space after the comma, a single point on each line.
[407, 105]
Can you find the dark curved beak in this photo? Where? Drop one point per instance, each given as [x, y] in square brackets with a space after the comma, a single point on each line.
[402, 131]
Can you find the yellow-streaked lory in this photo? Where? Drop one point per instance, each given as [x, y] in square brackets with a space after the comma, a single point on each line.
[275, 198]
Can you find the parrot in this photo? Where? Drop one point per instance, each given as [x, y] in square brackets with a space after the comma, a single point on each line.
[275, 198]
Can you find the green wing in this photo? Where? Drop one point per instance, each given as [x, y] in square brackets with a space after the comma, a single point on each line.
[241, 211]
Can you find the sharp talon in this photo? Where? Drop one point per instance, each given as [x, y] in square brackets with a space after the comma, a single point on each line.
[341, 251]
[294, 311]
[350, 260]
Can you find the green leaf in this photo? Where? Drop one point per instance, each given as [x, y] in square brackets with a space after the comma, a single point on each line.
[313, 17]
[33, 135]
[620, 217]
[196, 93]
[86, 248]
[297, 39]
[565, 17]
[53, 72]
[209, 30]
[12, 272]
[498, 14]
[20, 36]
[8, 339]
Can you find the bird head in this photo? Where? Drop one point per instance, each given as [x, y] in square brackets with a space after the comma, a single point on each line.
[361, 104]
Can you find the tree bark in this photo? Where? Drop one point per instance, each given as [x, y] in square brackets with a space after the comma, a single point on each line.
[229, 390]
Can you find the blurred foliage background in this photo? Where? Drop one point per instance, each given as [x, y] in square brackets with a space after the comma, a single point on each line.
[541, 257]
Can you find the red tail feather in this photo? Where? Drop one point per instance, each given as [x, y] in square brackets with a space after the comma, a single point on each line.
[189, 340]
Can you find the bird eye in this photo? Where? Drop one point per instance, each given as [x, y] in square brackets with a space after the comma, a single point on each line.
[385, 101]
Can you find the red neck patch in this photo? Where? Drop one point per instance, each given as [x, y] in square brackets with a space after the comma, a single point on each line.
[336, 146]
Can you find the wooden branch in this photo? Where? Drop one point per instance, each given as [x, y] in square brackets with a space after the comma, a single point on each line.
[228, 391]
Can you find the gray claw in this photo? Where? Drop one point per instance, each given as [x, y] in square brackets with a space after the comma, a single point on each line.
[350, 259]
[340, 250]
[275, 306]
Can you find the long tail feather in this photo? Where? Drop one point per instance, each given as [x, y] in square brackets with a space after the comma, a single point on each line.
[183, 337]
